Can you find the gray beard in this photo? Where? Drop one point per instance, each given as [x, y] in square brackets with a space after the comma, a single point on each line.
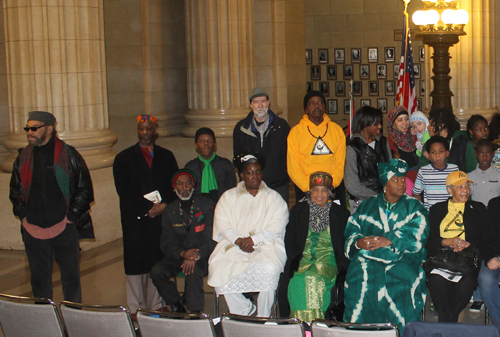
[260, 115]
[184, 198]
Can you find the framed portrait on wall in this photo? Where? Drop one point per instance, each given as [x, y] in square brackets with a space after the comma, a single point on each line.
[309, 86]
[357, 88]
[421, 53]
[309, 55]
[347, 106]
[422, 87]
[419, 104]
[390, 88]
[364, 71]
[315, 73]
[340, 89]
[324, 88]
[373, 55]
[389, 53]
[366, 102]
[323, 55]
[373, 88]
[356, 55]
[396, 71]
[382, 105]
[331, 72]
[339, 55]
[381, 71]
[348, 71]
[332, 106]
[416, 70]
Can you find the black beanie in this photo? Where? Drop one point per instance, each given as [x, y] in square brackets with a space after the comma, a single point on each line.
[312, 94]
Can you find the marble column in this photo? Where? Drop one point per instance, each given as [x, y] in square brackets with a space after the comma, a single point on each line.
[56, 63]
[219, 36]
[473, 66]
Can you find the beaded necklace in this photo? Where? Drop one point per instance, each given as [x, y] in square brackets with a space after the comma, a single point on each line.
[191, 213]
[318, 137]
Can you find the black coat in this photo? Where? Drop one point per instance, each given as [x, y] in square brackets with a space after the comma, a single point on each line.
[81, 191]
[133, 179]
[491, 232]
[295, 240]
[224, 174]
[274, 147]
[180, 234]
[474, 220]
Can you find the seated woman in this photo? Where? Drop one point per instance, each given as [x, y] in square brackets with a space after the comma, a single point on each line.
[365, 149]
[385, 241]
[314, 243]
[456, 223]
[249, 228]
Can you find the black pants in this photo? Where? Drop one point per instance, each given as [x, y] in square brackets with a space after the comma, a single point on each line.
[450, 298]
[64, 248]
[162, 274]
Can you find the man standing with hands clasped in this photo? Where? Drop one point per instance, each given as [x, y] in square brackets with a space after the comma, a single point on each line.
[141, 169]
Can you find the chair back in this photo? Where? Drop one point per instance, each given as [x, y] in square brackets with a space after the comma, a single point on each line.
[154, 323]
[245, 326]
[83, 320]
[326, 328]
[26, 316]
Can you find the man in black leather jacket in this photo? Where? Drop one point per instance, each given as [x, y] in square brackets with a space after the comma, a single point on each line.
[51, 191]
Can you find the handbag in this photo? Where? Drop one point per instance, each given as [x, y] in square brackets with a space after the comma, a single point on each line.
[461, 263]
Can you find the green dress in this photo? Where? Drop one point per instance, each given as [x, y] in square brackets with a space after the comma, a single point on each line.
[387, 284]
[309, 291]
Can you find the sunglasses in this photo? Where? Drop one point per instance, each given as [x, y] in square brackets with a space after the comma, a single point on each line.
[34, 128]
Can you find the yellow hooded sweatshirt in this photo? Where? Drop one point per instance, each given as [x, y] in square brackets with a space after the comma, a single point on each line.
[307, 153]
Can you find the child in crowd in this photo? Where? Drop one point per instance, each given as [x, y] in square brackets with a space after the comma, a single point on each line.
[486, 179]
[486, 186]
[431, 179]
[419, 124]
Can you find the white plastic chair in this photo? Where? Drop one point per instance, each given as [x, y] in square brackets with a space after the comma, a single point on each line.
[245, 326]
[326, 328]
[154, 323]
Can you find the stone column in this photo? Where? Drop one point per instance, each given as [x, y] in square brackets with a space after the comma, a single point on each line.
[219, 36]
[473, 66]
[56, 63]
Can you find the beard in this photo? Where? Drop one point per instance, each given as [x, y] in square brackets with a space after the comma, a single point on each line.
[37, 141]
[184, 195]
[260, 113]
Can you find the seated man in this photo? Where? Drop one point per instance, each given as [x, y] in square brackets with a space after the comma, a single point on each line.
[186, 241]
[215, 175]
[489, 274]
[249, 226]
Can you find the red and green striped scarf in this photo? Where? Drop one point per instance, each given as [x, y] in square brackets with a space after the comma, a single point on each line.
[61, 169]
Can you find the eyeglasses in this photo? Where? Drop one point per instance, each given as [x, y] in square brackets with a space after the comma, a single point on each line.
[34, 128]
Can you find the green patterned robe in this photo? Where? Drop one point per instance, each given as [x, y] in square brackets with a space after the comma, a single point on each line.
[387, 284]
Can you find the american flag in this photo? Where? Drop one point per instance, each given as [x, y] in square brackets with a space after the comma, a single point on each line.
[406, 95]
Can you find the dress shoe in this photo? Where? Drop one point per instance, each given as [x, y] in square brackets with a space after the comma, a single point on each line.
[178, 307]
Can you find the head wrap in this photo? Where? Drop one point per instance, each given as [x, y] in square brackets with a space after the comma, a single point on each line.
[42, 116]
[183, 172]
[247, 158]
[204, 131]
[457, 178]
[320, 179]
[257, 92]
[146, 118]
[404, 141]
[396, 167]
[312, 94]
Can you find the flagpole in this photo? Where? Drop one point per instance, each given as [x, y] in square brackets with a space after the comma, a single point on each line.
[351, 109]
[407, 27]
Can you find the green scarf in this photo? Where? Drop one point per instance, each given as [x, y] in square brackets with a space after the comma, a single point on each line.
[208, 182]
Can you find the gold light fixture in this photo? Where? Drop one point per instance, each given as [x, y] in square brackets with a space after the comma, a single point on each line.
[440, 24]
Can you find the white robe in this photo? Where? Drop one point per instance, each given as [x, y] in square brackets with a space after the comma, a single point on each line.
[239, 214]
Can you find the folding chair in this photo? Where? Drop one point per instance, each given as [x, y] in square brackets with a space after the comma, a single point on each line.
[326, 328]
[245, 326]
[154, 323]
[83, 320]
[27, 316]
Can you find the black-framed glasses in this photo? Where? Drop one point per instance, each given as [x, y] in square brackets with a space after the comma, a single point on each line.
[34, 128]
